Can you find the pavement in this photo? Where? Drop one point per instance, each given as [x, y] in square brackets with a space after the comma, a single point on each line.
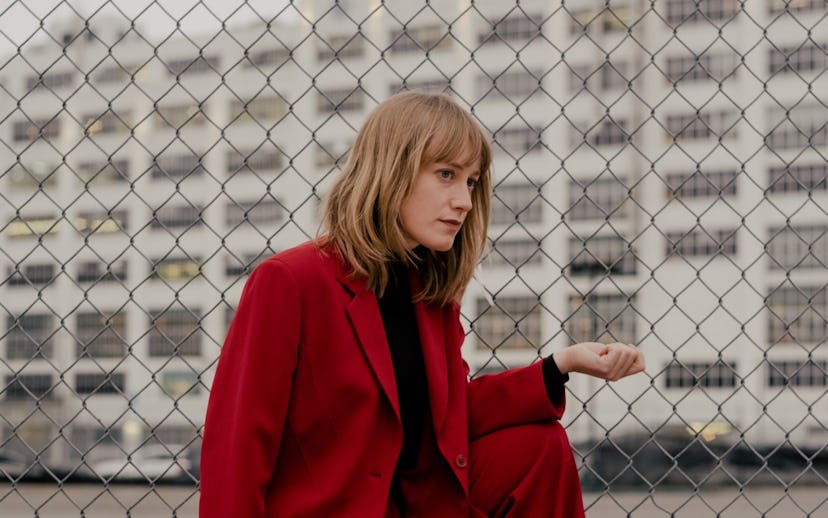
[141, 501]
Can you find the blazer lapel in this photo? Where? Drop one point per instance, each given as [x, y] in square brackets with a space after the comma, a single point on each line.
[363, 312]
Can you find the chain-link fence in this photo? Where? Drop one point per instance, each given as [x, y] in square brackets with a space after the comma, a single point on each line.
[660, 180]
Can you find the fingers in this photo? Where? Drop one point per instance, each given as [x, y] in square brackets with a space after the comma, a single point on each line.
[606, 361]
[639, 365]
[594, 347]
[622, 360]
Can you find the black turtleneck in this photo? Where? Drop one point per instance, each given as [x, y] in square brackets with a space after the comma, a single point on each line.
[403, 338]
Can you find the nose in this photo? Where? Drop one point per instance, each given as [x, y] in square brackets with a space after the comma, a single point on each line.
[462, 199]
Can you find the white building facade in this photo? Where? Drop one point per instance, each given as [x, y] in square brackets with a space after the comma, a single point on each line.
[660, 180]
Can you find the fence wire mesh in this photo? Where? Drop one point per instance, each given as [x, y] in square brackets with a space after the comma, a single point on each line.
[660, 180]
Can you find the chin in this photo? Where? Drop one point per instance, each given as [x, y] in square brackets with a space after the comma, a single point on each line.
[440, 246]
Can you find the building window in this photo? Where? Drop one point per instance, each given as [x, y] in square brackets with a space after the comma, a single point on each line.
[581, 20]
[601, 318]
[600, 199]
[229, 311]
[716, 66]
[618, 18]
[32, 226]
[795, 6]
[614, 75]
[341, 100]
[178, 383]
[111, 74]
[802, 126]
[260, 110]
[700, 242]
[29, 386]
[95, 271]
[178, 115]
[683, 11]
[177, 216]
[719, 374]
[101, 336]
[198, 65]
[51, 80]
[175, 332]
[267, 58]
[513, 203]
[601, 255]
[240, 266]
[161, 438]
[423, 38]
[100, 383]
[176, 167]
[579, 77]
[88, 438]
[27, 130]
[35, 274]
[103, 172]
[800, 58]
[107, 123]
[692, 126]
[29, 337]
[32, 175]
[701, 184]
[798, 314]
[176, 269]
[263, 160]
[799, 246]
[103, 222]
[509, 323]
[346, 46]
[798, 178]
[797, 373]
[514, 253]
[514, 29]
[439, 85]
[515, 86]
[609, 132]
[257, 213]
[516, 142]
[327, 155]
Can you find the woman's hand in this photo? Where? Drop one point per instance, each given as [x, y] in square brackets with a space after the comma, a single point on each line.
[606, 361]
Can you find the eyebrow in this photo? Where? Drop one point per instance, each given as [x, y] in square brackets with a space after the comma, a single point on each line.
[459, 166]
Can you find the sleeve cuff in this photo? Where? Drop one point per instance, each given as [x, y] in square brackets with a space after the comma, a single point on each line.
[554, 380]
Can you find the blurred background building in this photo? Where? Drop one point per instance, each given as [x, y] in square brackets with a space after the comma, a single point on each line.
[660, 180]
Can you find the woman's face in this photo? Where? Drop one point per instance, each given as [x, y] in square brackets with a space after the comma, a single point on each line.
[438, 203]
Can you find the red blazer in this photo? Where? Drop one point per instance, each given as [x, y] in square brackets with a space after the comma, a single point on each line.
[303, 418]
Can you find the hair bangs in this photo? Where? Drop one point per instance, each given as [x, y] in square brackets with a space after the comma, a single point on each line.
[457, 139]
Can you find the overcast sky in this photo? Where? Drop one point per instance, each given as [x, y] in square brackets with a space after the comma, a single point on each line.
[20, 19]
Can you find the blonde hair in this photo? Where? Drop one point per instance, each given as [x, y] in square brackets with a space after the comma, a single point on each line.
[361, 217]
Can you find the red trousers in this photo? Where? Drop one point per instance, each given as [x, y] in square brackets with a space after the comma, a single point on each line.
[525, 471]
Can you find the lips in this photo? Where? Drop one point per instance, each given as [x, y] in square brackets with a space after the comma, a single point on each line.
[453, 223]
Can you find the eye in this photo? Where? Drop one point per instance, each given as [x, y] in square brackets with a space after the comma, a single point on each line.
[446, 174]
[471, 183]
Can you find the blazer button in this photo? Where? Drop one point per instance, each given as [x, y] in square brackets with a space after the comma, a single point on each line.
[460, 461]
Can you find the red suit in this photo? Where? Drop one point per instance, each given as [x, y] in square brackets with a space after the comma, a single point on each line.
[303, 418]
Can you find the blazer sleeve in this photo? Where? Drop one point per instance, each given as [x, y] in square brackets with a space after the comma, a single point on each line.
[514, 397]
[250, 395]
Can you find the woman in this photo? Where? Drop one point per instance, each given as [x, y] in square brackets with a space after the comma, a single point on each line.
[341, 390]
